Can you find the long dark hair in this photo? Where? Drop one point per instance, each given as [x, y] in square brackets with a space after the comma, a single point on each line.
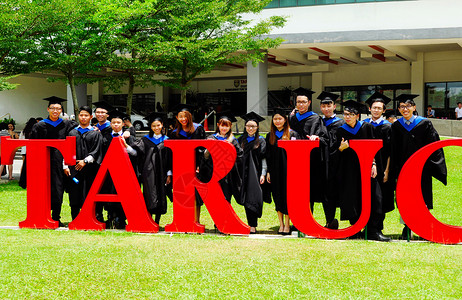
[178, 125]
[229, 135]
[285, 129]
[246, 134]
[28, 128]
[151, 132]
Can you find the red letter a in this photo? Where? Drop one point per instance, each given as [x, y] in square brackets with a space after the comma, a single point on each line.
[38, 176]
[117, 164]
[185, 183]
[298, 193]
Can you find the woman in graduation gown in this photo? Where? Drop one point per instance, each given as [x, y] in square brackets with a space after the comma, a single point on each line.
[231, 183]
[277, 166]
[186, 129]
[253, 169]
[155, 165]
[349, 170]
[409, 134]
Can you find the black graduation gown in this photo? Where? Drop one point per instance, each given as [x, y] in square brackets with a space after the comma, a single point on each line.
[276, 159]
[44, 130]
[252, 193]
[349, 175]
[312, 124]
[88, 143]
[332, 183]
[406, 142]
[383, 132]
[231, 183]
[155, 160]
[198, 134]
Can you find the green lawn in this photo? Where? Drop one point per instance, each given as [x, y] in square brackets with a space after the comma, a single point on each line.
[69, 264]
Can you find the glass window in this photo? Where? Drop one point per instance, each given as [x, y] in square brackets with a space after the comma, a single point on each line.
[273, 4]
[285, 3]
[436, 94]
[454, 93]
[306, 2]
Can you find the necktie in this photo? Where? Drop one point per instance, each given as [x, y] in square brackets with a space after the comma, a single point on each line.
[408, 122]
[115, 134]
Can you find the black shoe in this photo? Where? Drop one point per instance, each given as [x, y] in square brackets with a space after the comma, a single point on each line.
[377, 236]
[332, 225]
[119, 223]
[357, 236]
[60, 224]
[406, 231]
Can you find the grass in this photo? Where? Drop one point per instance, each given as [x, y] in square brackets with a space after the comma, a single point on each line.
[69, 264]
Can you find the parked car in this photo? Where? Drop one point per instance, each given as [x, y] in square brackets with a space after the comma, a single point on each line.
[137, 118]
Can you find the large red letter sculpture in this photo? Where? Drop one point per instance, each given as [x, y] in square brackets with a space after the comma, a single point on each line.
[38, 176]
[298, 189]
[118, 165]
[185, 183]
[411, 204]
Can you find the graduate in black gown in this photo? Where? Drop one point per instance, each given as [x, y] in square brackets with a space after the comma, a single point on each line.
[377, 106]
[253, 169]
[276, 159]
[115, 214]
[101, 114]
[331, 192]
[231, 183]
[186, 129]
[349, 171]
[54, 127]
[409, 134]
[80, 177]
[155, 166]
[309, 125]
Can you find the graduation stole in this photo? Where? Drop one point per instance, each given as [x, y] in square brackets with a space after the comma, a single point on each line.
[183, 133]
[250, 138]
[329, 121]
[304, 115]
[83, 130]
[156, 141]
[354, 130]
[412, 125]
[220, 138]
[101, 127]
[279, 134]
[53, 123]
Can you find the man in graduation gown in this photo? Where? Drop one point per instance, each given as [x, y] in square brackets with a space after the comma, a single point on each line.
[349, 171]
[309, 125]
[409, 134]
[53, 127]
[332, 123]
[88, 155]
[116, 217]
[377, 106]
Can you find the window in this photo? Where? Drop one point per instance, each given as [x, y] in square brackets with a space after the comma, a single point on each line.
[292, 3]
[443, 97]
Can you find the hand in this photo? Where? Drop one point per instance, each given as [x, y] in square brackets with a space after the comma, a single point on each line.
[385, 176]
[126, 134]
[314, 138]
[80, 164]
[96, 128]
[374, 171]
[67, 172]
[262, 179]
[343, 145]
[125, 143]
[268, 178]
[169, 180]
[293, 112]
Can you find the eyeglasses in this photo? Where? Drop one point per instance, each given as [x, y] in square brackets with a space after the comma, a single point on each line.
[349, 115]
[302, 102]
[55, 108]
[405, 106]
[250, 126]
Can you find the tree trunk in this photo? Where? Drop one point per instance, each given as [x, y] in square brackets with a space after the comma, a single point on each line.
[131, 86]
[183, 96]
[75, 102]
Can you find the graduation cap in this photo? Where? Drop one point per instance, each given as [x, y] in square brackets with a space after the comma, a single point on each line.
[156, 116]
[183, 107]
[281, 111]
[252, 116]
[116, 114]
[377, 97]
[227, 115]
[404, 97]
[301, 91]
[353, 106]
[103, 105]
[327, 97]
[54, 100]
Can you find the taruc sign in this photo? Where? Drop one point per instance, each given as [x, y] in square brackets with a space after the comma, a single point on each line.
[117, 163]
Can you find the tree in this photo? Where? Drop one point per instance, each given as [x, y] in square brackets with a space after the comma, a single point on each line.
[200, 35]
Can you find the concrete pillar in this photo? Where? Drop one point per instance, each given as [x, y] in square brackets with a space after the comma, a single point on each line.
[81, 91]
[162, 96]
[317, 85]
[418, 83]
[257, 88]
[96, 90]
